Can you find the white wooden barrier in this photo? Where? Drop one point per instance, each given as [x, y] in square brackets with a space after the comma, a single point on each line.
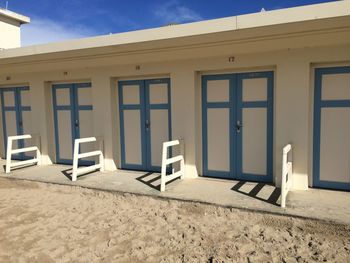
[76, 156]
[287, 174]
[10, 152]
[167, 161]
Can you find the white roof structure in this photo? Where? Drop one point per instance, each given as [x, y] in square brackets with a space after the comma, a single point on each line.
[269, 23]
[14, 16]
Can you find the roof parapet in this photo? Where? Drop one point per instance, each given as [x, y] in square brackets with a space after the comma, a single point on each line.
[14, 16]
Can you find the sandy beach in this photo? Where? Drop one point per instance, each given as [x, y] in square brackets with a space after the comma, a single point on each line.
[51, 223]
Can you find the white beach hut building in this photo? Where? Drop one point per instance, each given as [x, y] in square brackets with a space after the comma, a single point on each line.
[235, 89]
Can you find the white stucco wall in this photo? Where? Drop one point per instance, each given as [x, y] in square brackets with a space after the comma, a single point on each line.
[293, 101]
[291, 46]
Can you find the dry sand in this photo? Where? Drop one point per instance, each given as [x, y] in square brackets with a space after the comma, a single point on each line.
[51, 223]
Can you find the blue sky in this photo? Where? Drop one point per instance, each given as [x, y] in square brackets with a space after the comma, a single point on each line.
[57, 20]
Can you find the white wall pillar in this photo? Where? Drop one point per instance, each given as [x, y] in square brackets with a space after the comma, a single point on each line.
[103, 116]
[40, 117]
[183, 116]
[292, 117]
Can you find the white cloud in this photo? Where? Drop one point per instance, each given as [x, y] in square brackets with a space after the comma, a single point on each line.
[174, 12]
[41, 31]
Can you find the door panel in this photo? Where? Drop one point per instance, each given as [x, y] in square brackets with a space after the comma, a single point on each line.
[159, 133]
[131, 94]
[86, 129]
[25, 98]
[64, 121]
[218, 90]
[218, 139]
[73, 119]
[27, 129]
[144, 107]
[12, 129]
[254, 89]
[26, 121]
[132, 136]
[65, 134]
[157, 106]
[254, 111]
[132, 119]
[11, 126]
[336, 86]
[254, 134]
[9, 98]
[16, 116]
[335, 152]
[237, 126]
[331, 164]
[84, 96]
[217, 134]
[158, 93]
[63, 95]
[83, 113]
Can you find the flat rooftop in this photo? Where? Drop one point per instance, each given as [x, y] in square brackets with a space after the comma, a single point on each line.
[303, 18]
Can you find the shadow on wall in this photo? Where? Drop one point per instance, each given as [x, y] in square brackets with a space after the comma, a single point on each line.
[272, 198]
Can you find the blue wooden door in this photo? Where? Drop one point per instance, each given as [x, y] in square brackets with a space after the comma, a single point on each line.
[145, 122]
[237, 111]
[15, 103]
[72, 107]
[331, 148]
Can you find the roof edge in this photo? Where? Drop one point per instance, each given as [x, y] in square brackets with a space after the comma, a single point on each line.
[300, 14]
[15, 16]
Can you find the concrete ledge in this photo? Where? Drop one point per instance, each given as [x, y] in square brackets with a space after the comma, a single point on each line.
[320, 205]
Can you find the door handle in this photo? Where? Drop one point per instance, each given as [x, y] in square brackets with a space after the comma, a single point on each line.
[20, 123]
[239, 126]
[76, 123]
[147, 124]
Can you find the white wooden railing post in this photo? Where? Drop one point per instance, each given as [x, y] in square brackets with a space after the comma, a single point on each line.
[10, 152]
[287, 174]
[101, 157]
[75, 160]
[182, 162]
[163, 171]
[76, 156]
[164, 178]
